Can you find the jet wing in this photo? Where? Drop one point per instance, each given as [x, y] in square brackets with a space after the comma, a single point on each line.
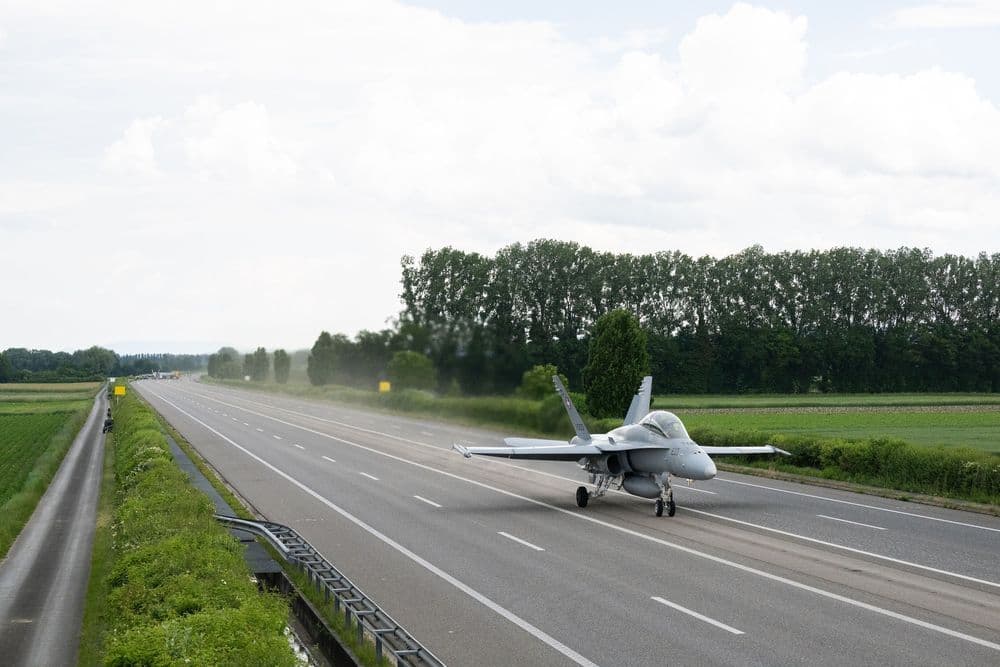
[736, 451]
[530, 448]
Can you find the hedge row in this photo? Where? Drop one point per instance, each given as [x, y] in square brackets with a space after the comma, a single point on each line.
[179, 589]
[962, 473]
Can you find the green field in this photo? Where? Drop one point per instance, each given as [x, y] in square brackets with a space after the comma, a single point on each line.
[37, 426]
[978, 429]
[677, 402]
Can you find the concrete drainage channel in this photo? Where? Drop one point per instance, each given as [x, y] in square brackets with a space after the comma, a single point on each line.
[391, 641]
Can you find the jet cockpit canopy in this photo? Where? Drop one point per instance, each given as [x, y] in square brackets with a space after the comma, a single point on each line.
[666, 424]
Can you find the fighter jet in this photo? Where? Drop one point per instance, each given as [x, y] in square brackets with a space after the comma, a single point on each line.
[639, 456]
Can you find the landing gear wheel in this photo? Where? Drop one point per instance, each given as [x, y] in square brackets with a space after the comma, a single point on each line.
[671, 508]
[582, 496]
[659, 507]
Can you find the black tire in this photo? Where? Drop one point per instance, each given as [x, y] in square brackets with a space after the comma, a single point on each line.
[659, 507]
[671, 508]
[582, 496]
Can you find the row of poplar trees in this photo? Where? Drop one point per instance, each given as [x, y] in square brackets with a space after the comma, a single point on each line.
[845, 319]
[227, 363]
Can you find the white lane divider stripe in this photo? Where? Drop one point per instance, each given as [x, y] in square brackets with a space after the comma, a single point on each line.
[427, 565]
[369, 476]
[429, 502]
[260, 430]
[700, 617]
[245, 424]
[276, 437]
[300, 447]
[328, 459]
[856, 523]
[520, 541]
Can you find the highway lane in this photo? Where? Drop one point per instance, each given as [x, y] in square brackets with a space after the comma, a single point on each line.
[595, 591]
[959, 543]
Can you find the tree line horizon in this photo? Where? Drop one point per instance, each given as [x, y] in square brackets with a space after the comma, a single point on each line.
[838, 320]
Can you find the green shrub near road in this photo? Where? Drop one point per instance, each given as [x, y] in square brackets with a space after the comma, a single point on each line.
[177, 588]
[962, 473]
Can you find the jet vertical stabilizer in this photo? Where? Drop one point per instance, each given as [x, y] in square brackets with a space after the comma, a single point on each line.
[640, 402]
[574, 417]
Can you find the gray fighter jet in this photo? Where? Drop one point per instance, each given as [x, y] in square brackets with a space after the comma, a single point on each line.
[639, 456]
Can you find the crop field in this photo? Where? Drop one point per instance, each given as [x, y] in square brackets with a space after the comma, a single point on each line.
[37, 425]
[977, 427]
[23, 438]
[90, 388]
[677, 402]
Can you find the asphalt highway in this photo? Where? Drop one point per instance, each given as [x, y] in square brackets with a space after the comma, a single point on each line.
[490, 562]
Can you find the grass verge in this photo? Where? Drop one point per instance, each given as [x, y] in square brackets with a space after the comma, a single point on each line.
[173, 587]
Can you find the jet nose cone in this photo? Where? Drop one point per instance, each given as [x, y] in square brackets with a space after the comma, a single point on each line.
[710, 469]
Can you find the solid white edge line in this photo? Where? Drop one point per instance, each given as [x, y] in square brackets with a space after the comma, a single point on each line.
[429, 502]
[856, 523]
[583, 517]
[758, 526]
[427, 565]
[520, 541]
[328, 459]
[700, 617]
[848, 502]
[373, 477]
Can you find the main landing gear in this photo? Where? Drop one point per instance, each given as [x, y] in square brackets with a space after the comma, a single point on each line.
[582, 496]
[669, 503]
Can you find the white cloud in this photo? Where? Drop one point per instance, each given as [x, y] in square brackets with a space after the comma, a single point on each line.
[948, 14]
[237, 141]
[134, 152]
[297, 152]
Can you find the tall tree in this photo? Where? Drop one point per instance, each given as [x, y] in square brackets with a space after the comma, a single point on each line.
[282, 366]
[411, 370]
[6, 370]
[261, 365]
[322, 360]
[617, 362]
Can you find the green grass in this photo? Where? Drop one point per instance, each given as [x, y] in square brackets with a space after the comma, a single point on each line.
[42, 407]
[48, 387]
[980, 430]
[32, 446]
[175, 588]
[95, 618]
[676, 402]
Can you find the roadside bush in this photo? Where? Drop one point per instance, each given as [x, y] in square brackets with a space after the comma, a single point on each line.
[179, 590]
[536, 383]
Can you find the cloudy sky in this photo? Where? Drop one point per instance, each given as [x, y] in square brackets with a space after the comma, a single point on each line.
[177, 176]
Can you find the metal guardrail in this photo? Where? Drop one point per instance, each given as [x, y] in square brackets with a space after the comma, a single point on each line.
[369, 619]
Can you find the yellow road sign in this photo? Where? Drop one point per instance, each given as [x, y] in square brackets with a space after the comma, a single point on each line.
[384, 386]
[119, 390]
